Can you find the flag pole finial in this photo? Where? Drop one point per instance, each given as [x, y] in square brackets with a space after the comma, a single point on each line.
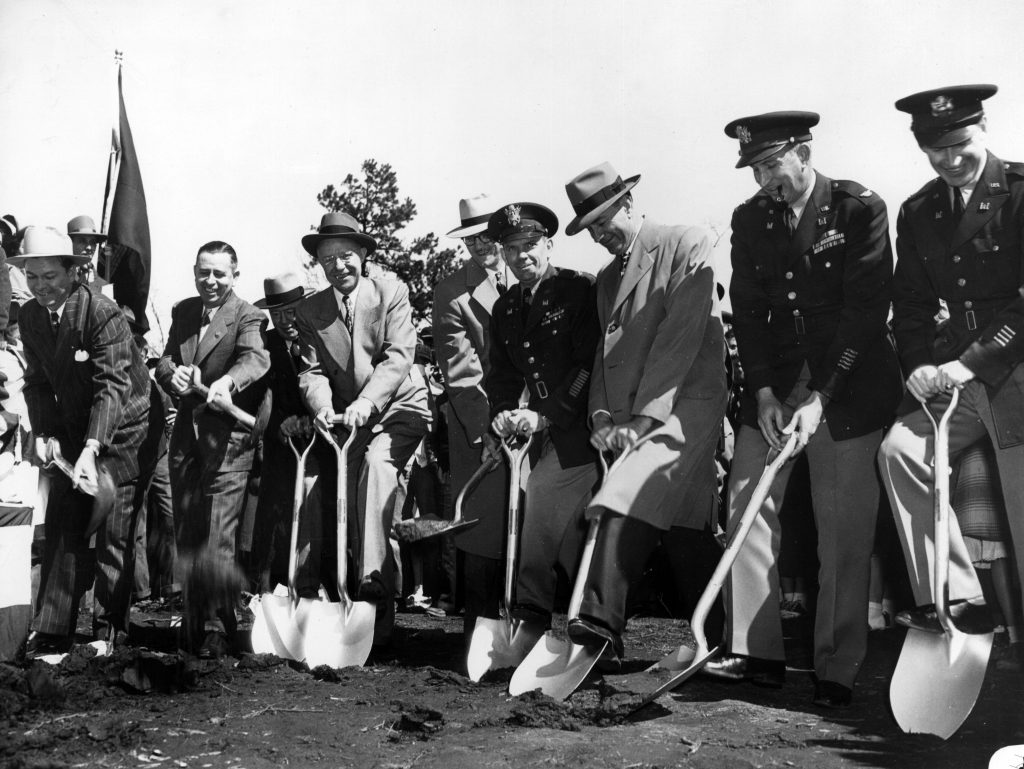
[118, 57]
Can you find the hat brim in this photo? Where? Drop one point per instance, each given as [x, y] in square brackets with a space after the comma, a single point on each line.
[465, 232]
[262, 303]
[581, 223]
[311, 241]
[767, 152]
[98, 237]
[947, 139]
[19, 260]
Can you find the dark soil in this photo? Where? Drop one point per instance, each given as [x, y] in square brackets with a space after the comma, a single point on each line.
[412, 706]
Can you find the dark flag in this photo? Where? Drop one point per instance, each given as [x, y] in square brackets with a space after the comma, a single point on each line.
[125, 260]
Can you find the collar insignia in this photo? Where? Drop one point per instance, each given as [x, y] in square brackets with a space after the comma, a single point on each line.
[941, 105]
[984, 206]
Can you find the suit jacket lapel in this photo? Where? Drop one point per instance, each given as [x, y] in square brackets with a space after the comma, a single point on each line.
[69, 321]
[478, 281]
[807, 228]
[333, 334]
[219, 328]
[640, 264]
[989, 195]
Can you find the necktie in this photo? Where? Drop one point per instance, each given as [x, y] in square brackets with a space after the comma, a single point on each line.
[791, 220]
[499, 284]
[624, 265]
[206, 319]
[346, 302]
[525, 310]
[54, 323]
[958, 204]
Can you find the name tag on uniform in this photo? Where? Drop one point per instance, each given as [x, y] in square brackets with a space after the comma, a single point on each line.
[828, 240]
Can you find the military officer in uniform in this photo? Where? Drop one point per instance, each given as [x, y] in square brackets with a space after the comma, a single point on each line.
[812, 266]
[543, 335]
[959, 241]
[461, 324]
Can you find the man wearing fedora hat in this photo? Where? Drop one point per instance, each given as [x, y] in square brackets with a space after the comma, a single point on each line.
[959, 243]
[289, 420]
[461, 321]
[359, 343]
[659, 375]
[216, 337]
[88, 393]
[543, 336]
[812, 266]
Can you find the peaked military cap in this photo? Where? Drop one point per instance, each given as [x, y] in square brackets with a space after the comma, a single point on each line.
[761, 136]
[521, 218]
[939, 114]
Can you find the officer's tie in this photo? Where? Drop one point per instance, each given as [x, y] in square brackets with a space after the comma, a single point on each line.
[791, 220]
[346, 311]
[958, 204]
[499, 284]
[54, 323]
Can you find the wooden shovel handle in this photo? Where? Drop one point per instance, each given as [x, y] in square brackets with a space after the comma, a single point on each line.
[244, 418]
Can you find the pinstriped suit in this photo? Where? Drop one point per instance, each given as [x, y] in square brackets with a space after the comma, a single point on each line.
[210, 455]
[89, 382]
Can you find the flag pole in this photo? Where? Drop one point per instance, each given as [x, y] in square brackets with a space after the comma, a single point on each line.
[113, 163]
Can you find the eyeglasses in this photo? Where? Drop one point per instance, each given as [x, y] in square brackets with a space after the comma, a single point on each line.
[482, 239]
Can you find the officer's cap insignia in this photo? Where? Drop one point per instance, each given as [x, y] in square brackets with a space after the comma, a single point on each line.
[513, 214]
[867, 194]
[941, 105]
[743, 134]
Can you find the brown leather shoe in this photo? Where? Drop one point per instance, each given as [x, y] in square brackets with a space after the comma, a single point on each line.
[770, 674]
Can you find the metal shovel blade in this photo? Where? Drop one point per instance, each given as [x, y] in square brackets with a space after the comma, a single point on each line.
[697, 662]
[554, 666]
[499, 643]
[338, 635]
[265, 637]
[680, 659]
[937, 680]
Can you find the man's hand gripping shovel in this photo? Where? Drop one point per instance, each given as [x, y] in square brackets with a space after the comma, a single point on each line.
[557, 666]
[939, 675]
[280, 618]
[504, 642]
[689, 661]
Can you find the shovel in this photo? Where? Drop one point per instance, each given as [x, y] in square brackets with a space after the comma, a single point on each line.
[504, 642]
[102, 493]
[339, 634]
[938, 675]
[554, 666]
[279, 618]
[244, 418]
[689, 661]
[419, 529]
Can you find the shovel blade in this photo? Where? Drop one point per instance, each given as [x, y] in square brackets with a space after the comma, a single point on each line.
[266, 635]
[937, 681]
[554, 666]
[499, 643]
[338, 635]
[699, 659]
[680, 659]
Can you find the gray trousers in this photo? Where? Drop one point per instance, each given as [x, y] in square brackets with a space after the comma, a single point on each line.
[845, 492]
[905, 459]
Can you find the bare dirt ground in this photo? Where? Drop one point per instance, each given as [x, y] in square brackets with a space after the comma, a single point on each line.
[411, 706]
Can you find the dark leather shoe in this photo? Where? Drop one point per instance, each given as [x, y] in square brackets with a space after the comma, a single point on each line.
[829, 694]
[372, 590]
[586, 633]
[970, 618]
[45, 644]
[770, 674]
[215, 645]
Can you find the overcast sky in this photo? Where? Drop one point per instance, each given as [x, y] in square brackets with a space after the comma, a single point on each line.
[243, 111]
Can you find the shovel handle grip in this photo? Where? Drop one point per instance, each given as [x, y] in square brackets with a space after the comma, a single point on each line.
[244, 418]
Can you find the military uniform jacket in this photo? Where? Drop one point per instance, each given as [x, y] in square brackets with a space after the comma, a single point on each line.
[89, 382]
[551, 353]
[819, 298]
[977, 267]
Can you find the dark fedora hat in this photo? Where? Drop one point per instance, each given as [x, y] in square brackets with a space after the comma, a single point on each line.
[593, 192]
[282, 289]
[84, 227]
[338, 225]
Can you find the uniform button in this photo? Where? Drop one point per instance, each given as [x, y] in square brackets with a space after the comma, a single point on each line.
[961, 282]
[791, 295]
[956, 258]
[968, 304]
[530, 359]
[526, 345]
[995, 247]
[536, 375]
[789, 276]
[555, 332]
[796, 313]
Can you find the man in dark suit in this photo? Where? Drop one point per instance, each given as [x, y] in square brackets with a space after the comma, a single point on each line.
[960, 240]
[812, 265]
[218, 338]
[461, 325]
[88, 394]
[359, 341]
[544, 332]
[659, 374]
